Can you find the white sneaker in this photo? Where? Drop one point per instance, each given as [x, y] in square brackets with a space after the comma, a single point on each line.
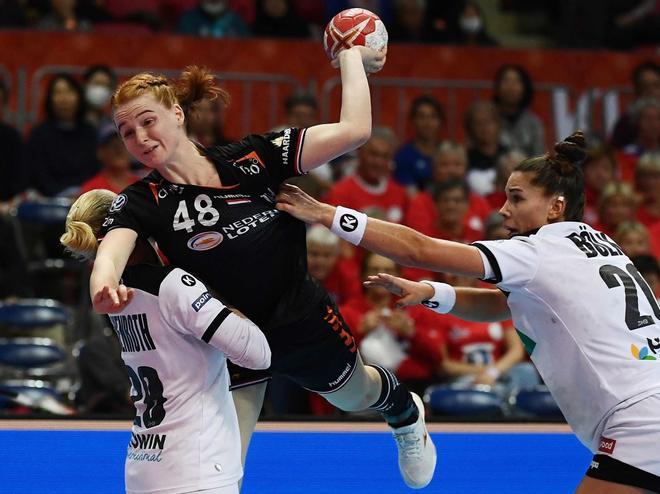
[417, 455]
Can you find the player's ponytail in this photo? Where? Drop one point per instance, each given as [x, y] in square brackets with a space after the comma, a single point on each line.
[197, 84]
[84, 222]
[561, 174]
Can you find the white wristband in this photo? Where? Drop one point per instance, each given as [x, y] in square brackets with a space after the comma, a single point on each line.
[349, 224]
[444, 297]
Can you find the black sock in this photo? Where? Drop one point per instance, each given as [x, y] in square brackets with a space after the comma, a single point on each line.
[395, 402]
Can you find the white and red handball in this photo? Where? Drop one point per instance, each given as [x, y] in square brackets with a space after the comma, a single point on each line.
[354, 27]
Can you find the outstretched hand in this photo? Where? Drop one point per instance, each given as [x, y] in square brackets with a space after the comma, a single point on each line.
[411, 292]
[297, 203]
[110, 300]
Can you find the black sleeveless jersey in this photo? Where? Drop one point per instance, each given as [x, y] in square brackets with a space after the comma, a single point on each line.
[232, 237]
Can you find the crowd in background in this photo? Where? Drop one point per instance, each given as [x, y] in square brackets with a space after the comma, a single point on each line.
[619, 24]
[445, 189]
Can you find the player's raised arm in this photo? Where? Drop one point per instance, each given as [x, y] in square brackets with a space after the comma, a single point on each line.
[327, 141]
[400, 243]
[107, 294]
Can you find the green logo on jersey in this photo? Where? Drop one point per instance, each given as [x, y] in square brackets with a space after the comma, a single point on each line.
[529, 343]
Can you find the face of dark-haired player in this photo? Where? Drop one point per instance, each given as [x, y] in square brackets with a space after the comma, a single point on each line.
[527, 206]
[151, 132]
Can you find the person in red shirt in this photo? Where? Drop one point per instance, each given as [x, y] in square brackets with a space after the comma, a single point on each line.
[372, 189]
[452, 221]
[405, 341]
[483, 352]
[633, 238]
[647, 180]
[115, 174]
[449, 162]
[338, 275]
[600, 169]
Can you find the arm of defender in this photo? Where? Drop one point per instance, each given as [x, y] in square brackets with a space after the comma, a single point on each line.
[400, 243]
[471, 304]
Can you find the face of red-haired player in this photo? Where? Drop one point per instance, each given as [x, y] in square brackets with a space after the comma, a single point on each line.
[151, 132]
[527, 206]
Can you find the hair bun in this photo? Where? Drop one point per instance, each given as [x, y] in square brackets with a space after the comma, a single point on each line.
[573, 149]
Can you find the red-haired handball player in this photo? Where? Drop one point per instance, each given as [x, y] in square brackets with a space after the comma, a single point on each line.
[212, 212]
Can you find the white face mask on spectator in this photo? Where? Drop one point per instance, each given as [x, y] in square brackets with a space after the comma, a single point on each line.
[97, 96]
[213, 7]
[470, 25]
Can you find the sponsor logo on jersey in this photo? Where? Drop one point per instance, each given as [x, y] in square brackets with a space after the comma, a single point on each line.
[119, 202]
[250, 164]
[594, 465]
[188, 280]
[606, 445]
[201, 301]
[140, 442]
[241, 227]
[643, 353]
[234, 202]
[286, 139]
[341, 377]
[205, 241]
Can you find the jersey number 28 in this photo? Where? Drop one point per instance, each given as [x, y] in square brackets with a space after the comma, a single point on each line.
[148, 386]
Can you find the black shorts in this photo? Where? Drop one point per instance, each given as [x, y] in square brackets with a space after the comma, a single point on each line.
[604, 467]
[319, 352]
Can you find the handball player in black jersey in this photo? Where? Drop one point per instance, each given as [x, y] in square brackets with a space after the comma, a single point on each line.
[211, 211]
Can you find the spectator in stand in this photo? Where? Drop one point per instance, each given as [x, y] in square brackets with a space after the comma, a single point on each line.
[449, 163]
[482, 126]
[63, 17]
[451, 220]
[278, 19]
[646, 116]
[13, 180]
[411, 24]
[338, 275]
[647, 180]
[414, 160]
[600, 169]
[404, 341]
[649, 268]
[489, 353]
[61, 150]
[214, 19]
[633, 238]
[505, 165]
[115, 174]
[513, 95]
[301, 111]
[617, 205]
[100, 82]
[646, 82]
[372, 189]
[471, 28]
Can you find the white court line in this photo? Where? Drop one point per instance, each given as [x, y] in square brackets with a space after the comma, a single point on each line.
[121, 425]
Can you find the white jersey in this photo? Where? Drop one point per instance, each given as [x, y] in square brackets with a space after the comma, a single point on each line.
[185, 436]
[587, 318]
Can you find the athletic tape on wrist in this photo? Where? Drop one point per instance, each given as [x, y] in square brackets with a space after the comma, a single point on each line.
[349, 224]
[443, 299]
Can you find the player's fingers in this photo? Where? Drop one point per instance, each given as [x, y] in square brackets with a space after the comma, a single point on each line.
[111, 293]
[405, 301]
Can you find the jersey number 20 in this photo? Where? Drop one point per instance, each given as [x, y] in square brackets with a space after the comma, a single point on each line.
[614, 276]
[149, 387]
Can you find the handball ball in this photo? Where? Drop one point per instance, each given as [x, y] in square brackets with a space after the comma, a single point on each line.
[353, 27]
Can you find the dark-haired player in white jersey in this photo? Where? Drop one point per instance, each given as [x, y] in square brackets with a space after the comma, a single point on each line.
[588, 319]
[174, 337]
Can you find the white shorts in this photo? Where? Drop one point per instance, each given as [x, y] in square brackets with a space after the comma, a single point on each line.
[632, 435]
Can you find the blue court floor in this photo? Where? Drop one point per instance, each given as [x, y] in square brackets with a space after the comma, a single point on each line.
[34, 461]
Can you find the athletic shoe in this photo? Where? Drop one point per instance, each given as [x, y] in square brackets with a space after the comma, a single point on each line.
[417, 455]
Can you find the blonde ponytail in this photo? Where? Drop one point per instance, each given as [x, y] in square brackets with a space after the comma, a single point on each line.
[84, 222]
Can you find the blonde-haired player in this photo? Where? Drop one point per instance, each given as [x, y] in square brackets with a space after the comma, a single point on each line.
[174, 337]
